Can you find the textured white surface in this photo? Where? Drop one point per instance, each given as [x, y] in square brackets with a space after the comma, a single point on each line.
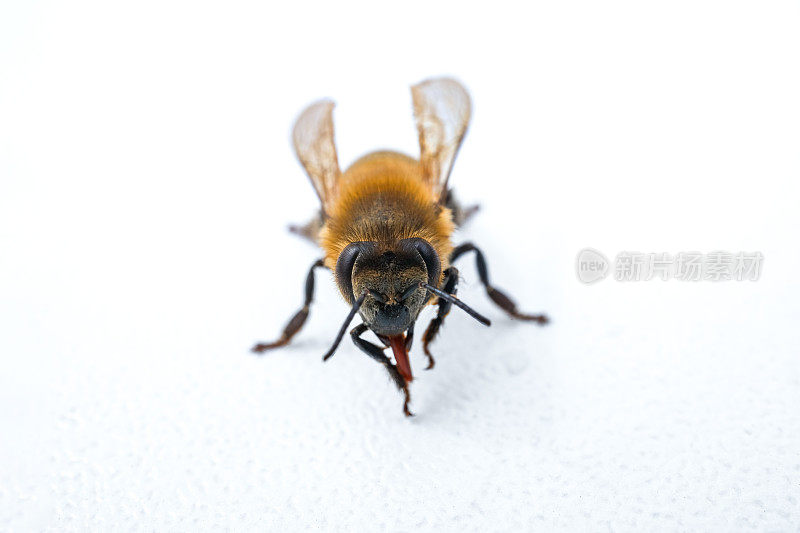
[146, 182]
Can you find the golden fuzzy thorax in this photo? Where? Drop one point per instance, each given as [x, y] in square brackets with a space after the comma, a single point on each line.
[382, 198]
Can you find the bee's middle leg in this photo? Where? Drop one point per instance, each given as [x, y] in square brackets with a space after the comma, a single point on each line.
[296, 323]
[500, 298]
[448, 286]
[376, 352]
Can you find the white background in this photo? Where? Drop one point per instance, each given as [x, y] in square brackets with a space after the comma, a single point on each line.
[146, 180]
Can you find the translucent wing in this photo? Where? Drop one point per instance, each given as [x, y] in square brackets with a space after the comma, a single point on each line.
[442, 110]
[313, 143]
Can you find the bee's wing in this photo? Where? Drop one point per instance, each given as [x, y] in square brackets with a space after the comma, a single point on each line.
[442, 110]
[313, 142]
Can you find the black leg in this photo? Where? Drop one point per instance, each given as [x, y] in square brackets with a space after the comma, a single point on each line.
[376, 352]
[498, 297]
[309, 230]
[299, 318]
[448, 286]
[410, 336]
[461, 214]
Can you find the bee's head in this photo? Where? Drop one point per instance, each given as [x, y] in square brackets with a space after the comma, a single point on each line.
[391, 275]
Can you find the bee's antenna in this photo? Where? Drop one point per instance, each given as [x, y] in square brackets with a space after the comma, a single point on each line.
[453, 300]
[350, 315]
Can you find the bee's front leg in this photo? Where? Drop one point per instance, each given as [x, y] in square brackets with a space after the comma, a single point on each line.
[498, 297]
[376, 352]
[410, 336]
[448, 286]
[299, 318]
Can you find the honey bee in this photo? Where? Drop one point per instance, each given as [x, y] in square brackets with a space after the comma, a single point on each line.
[385, 226]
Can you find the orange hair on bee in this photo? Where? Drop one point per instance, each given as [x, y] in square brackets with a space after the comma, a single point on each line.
[382, 198]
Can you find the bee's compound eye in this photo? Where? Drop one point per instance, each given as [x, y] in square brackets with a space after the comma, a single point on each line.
[429, 256]
[345, 264]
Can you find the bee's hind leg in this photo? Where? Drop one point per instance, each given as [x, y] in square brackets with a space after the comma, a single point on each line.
[310, 229]
[461, 214]
[296, 323]
[497, 296]
[448, 286]
[376, 352]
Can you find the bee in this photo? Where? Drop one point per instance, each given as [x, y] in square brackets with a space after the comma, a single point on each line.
[385, 227]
